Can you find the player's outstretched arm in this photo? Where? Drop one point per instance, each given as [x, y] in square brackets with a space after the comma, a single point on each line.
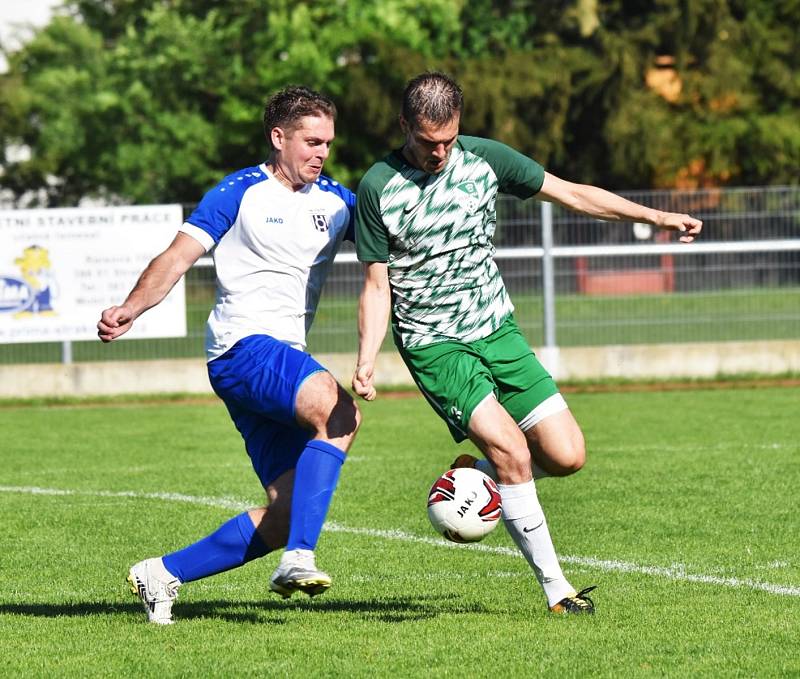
[153, 286]
[602, 204]
[373, 317]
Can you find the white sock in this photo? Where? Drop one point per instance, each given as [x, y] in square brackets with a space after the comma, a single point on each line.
[486, 467]
[525, 522]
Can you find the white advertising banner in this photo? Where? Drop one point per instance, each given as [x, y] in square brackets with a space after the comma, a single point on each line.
[60, 268]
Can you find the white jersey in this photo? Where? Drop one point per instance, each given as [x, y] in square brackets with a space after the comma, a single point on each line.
[274, 247]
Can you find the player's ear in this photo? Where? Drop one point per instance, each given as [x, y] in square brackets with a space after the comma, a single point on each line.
[277, 137]
[403, 124]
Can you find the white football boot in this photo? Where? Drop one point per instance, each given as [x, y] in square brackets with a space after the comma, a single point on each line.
[297, 572]
[156, 587]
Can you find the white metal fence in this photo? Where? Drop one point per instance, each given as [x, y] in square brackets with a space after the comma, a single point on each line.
[575, 281]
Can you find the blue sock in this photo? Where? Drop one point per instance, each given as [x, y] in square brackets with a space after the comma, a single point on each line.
[315, 479]
[233, 544]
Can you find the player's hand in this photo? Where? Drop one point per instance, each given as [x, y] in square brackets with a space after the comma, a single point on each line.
[363, 383]
[687, 226]
[114, 321]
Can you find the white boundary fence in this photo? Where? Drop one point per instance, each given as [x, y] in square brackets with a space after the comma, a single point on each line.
[549, 253]
[733, 294]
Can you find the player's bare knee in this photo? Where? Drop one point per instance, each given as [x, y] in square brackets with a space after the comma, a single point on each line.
[344, 418]
[577, 452]
[328, 410]
[571, 456]
[357, 417]
[579, 460]
[560, 452]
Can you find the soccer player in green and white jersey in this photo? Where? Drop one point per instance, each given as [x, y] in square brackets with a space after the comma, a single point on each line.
[425, 218]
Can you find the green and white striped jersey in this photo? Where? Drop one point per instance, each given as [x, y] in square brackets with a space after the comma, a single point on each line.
[435, 233]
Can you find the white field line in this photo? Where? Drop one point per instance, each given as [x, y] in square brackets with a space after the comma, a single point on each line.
[675, 572]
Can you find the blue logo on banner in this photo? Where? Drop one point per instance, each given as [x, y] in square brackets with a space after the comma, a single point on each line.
[33, 292]
[15, 294]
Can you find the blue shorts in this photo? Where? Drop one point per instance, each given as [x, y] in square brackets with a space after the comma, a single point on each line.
[258, 379]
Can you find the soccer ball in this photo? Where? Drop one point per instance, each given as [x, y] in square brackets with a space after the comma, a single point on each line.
[464, 505]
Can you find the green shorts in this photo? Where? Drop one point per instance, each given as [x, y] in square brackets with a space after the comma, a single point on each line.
[456, 376]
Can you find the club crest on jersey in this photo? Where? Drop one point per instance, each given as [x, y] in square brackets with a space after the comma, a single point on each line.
[471, 190]
[320, 221]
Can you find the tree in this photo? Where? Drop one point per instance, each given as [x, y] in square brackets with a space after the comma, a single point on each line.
[155, 100]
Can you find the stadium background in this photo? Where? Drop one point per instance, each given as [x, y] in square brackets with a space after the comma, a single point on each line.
[685, 106]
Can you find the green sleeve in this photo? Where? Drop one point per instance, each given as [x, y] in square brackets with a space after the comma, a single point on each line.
[372, 239]
[517, 174]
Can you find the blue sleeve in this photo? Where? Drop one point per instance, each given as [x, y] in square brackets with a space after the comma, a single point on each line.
[219, 208]
[350, 234]
[348, 198]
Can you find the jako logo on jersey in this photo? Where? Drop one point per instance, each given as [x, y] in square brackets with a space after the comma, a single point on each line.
[274, 220]
[320, 222]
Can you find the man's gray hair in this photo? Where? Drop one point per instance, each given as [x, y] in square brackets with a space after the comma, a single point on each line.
[432, 97]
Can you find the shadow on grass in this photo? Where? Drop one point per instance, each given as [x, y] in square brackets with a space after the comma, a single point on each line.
[390, 610]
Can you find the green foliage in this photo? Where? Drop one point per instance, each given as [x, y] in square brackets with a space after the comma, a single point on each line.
[154, 100]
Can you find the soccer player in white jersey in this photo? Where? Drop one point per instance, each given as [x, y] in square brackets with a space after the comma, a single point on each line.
[275, 229]
[425, 218]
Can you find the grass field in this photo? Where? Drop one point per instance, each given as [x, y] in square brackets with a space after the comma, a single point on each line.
[686, 517]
